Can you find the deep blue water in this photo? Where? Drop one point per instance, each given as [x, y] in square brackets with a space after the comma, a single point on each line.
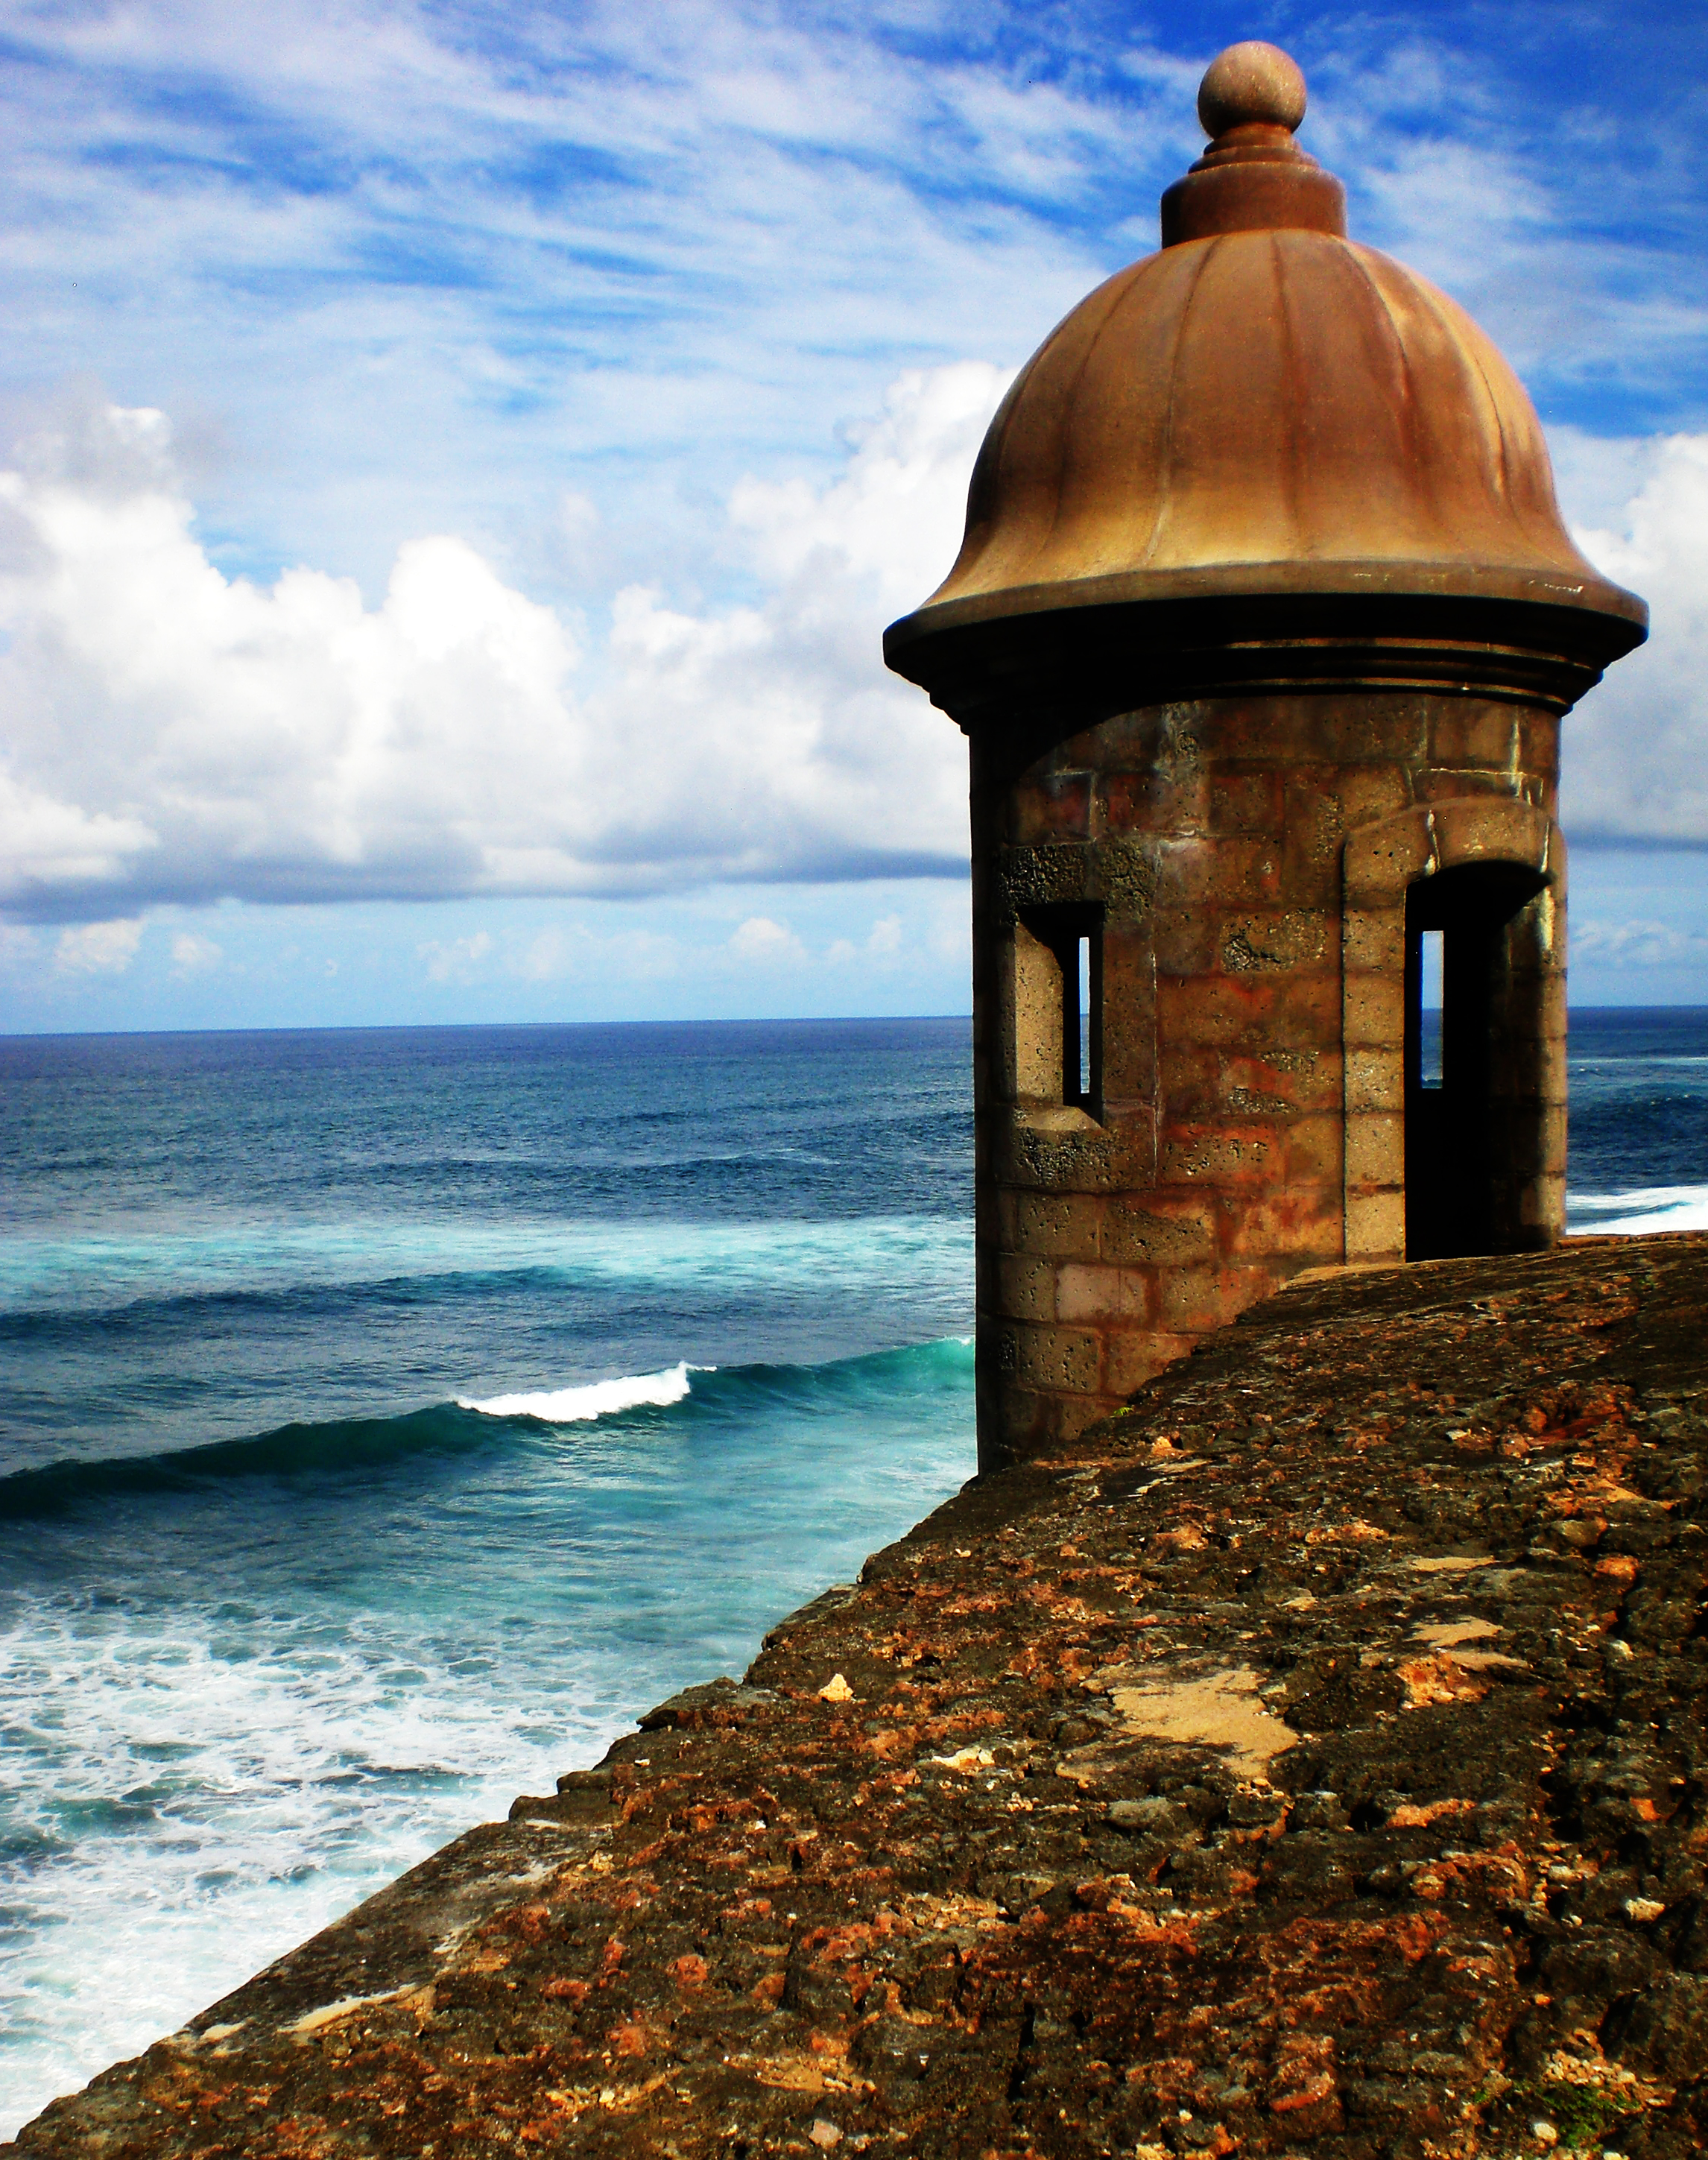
[386, 1418]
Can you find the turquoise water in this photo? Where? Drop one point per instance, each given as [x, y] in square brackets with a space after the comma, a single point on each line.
[390, 1418]
[386, 1419]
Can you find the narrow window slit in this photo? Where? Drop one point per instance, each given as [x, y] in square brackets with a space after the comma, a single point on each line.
[1059, 994]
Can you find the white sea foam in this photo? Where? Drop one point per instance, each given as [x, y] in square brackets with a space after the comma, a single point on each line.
[1639, 1212]
[597, 1399]
[244, 1714]
[198, 1790]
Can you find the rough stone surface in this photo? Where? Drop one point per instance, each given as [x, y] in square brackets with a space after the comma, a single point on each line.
[1309, 1760]
[1242, 865]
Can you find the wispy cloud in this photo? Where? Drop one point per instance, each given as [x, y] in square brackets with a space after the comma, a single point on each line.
[1601, 944]
[414, 267]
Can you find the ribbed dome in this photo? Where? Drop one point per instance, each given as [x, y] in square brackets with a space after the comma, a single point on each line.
[1261, 407]
[1261, 397]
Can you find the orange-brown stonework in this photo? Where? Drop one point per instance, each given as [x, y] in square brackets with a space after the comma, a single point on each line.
[1244, 863]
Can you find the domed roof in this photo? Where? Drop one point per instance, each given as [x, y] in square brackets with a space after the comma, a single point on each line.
[1262, 407]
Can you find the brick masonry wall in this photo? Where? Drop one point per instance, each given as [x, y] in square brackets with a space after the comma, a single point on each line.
[1240, 974]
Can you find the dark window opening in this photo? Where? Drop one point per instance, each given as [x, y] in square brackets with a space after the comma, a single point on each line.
[1073, 937]
[1471, 1072]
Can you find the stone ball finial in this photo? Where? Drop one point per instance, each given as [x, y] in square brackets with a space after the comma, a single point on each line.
[1251, 81]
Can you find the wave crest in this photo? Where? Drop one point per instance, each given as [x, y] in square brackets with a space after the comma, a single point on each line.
[352, 1447]
[1640, 1212]
[597, 1399]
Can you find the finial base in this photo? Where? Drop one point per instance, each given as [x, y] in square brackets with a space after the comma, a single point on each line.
[1254, 193]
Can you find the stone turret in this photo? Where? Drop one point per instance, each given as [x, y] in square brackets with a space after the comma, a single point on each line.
[1262, 632]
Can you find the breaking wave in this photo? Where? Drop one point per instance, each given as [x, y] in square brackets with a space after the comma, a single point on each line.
[351, 1448]
[1640, 1212]
[598, 1399]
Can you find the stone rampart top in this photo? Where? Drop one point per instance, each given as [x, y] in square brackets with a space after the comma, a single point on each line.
[1311, 1760]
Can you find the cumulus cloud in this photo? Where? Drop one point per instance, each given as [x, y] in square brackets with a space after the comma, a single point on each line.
[1636, 759]
[766, 943]
[97, 948]
[175, 734]
[170, 733]
[881, 943]
[192, 954]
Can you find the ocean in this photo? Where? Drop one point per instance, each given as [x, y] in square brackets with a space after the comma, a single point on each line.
[388, 1418]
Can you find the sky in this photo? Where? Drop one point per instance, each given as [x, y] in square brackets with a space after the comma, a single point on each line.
[456, 462]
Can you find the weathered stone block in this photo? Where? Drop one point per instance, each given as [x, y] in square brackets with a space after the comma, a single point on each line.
[1194, 1301]
[1152, 801]
[1088, 1293]
[1025, 1287]
[1193, 1083]
[1273, 942]
[1192, 869]
[1244, 800]
[1252, 1011]
[1496, 830]
[1268, 1084]
[1374, 938]
[1375, 1149]
[1055, 805]
[1159, 1230]
[1376, 1080]
[1368, 793]
[1381, 860]
[1374, 1009]
[1219, 1154]
[1063, 1225]
[1375, 1226]
[1068, 1150]
[1059, 1360]
[1302, 1223]
[1131, 1357]
[1355, 730]
[1313, 1149]
[1457, 785]
[1464, 732]
[1186, 941]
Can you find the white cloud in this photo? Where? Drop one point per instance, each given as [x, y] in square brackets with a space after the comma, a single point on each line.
[575, 953]
[882, 942]
[1638, 944]
[1636, 755]
[97, 948]
[456, 960]
[192, 954]
[175, 734]
[766, 943]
